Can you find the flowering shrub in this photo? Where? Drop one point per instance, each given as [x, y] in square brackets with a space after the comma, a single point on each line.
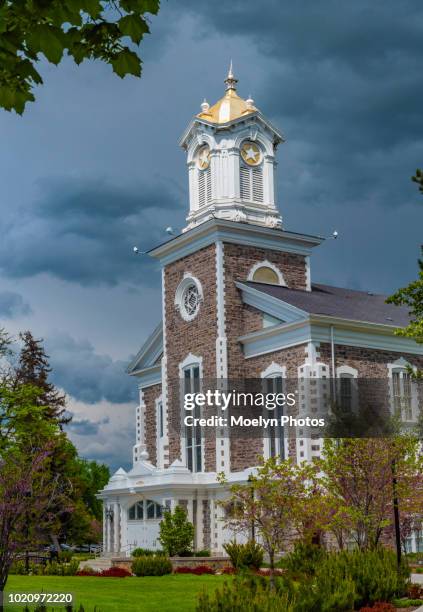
[229, 570]
[87, 571]
[197, 571]
[111, 572]
[415, 591]
[115, 572]
[379, 606]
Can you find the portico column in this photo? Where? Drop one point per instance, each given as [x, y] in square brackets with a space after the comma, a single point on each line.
[104, 527]
[116, 526]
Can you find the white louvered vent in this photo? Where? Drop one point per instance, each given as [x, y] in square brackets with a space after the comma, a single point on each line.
[245, 183]
[201, 188]
[208, 185]
[257, 176]
[204, 187]
[251, 184]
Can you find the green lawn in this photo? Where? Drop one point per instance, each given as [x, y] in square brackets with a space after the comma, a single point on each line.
[164, 593]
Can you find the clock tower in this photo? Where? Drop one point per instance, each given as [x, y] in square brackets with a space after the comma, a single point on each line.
[231, 162]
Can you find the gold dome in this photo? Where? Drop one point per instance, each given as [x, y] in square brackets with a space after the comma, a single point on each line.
[230, 107]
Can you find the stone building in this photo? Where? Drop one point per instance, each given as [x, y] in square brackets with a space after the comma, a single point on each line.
[238, 302]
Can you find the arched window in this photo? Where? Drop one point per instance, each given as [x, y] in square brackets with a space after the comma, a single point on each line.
[273, 383]
[266, 275]
[266, 272]
[138, 512]
[403, 392]
[190, 374]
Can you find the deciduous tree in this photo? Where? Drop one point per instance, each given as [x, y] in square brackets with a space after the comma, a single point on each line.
[85, 29]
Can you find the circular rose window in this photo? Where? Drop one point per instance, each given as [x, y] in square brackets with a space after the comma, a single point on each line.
[191, 300]
[188, 297]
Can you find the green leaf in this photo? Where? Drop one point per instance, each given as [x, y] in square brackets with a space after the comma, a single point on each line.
[133, 26]
[141, 6]
[126, 62]
[92, 7]
[48, 40]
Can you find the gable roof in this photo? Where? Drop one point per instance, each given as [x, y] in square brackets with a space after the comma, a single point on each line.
[338, 302]
[149, 353]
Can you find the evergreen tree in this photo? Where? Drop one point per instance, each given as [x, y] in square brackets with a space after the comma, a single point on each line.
[34, 369]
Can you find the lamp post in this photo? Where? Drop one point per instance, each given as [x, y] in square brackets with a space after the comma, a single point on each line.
[253, 526]
[396, 513]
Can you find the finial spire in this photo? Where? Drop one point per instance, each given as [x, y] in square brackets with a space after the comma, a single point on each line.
[230, 80]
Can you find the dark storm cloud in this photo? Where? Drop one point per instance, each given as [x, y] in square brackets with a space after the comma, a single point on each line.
[344, 82]
[85, 427]
[86, 375]
[84, 231]
[13, 305]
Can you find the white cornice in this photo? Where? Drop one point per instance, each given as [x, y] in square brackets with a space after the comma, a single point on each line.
[316, 328]
[234, 232]
[149, 352]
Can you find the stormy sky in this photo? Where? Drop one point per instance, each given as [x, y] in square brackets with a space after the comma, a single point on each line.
[93, 168]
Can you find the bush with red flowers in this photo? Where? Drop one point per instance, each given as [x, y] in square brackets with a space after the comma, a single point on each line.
[415, 591]
[115, 572]
[87, 571]
[111, 572]
[229, 570]
[379, 606]
[197, 571]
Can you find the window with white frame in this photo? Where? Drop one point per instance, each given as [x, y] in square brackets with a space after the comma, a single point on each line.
[144, 509]
[193, 436]
[403, 392]
[347, 388]
[274, 442]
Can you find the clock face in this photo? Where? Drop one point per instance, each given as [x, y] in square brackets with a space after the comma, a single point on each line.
[251, 153]
[203, 157]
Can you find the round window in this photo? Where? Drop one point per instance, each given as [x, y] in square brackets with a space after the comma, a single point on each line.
[190, 301]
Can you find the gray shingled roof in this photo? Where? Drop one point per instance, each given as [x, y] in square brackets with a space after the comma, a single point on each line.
[338, 302]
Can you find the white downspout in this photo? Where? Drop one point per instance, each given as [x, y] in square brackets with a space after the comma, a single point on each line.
[332, 351]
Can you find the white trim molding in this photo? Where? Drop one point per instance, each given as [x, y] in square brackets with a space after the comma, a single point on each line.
[274, 369]
[191, 360]
[400, 366]
[267, 264]
[187, 281]
[347, 370]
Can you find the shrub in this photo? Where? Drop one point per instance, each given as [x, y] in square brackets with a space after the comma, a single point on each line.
[65, 556]
[246, 595]
[415, 591]
[304, 559]
[17, 567]
[87, 571]
[229, 570]
[199, 570]
[145, 552]
[115, 572]
[156, 565]
[361, 577]
[202, 553]
[245, 555]
[379, 606]
[176, 532]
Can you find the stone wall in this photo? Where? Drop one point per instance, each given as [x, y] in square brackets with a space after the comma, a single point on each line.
[150, 424]
[197, 337]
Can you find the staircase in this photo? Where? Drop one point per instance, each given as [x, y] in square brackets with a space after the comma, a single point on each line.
[99, 563]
